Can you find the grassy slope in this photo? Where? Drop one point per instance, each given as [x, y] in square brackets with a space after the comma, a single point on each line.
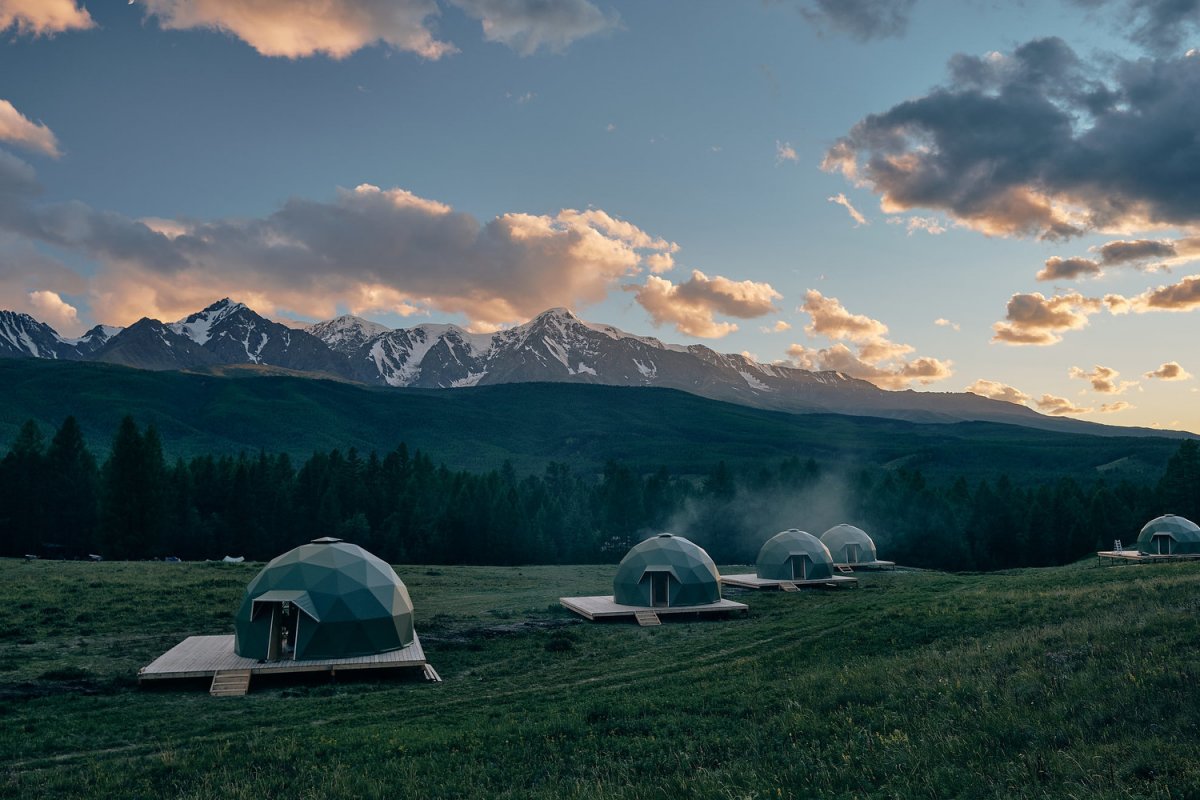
[531, 424]
[1064, 682]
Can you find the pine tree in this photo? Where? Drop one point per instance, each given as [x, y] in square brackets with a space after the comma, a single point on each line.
[134, 511]
[72, 482]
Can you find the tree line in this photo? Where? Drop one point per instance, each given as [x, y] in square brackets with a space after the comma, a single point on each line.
[56, 500]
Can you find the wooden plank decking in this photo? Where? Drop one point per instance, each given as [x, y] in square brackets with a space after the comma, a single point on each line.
[606, 608]
[752, 581]
[1136, 557]
[204, 656]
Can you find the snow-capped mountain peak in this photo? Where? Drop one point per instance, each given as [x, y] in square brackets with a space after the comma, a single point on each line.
[198, 327]
[347, 333]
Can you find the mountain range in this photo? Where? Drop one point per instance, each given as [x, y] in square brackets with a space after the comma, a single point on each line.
[554, 347]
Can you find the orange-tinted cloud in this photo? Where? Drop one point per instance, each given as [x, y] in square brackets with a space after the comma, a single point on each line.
[692, 305]
[1103, 379]
[1170, 371]
[16, 129]
[1059, 406]
[1033, 319]
[43, 17]
[998, 391]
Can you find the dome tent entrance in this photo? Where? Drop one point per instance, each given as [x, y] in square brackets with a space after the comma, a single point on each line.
[326, 599]
[1169, 535]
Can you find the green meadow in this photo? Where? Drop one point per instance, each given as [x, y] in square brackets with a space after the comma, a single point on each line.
[1076, 681]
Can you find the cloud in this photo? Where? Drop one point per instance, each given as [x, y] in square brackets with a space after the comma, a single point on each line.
[942, 322]
[1034, 143]
[1159, 25]
[1124, 252]
[840, 358]
[861, 19]
[16, 129]
[998, 391]
[1181, 296]
[692, 305]
[931, 225]
[1103, 379]
[527, 26]
[368, 249]
[1034, 319]
[1113, 408]
[878, 359]
[1170, 371]
[43, 17]
[50, 308]
[785, 152]
[1059, 406]
[1057, 269]
[841, 200]
[300, 28]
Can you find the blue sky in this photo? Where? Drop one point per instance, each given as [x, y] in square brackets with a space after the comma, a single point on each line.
[510, 155]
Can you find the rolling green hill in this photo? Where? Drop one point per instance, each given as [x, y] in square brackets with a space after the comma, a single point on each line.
[1067, 682]
[533, 424]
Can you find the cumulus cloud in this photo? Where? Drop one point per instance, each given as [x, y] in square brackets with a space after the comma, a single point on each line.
[1059, 406]
[369, 249]
[43, 17]
[785, 152]
[1033, 319]
[299, 28]
[1170, 371]
[692, 305]
[840, 199]
[531, 25]
[1103, 379]
[1112, 408]
[931, 225]
[1033, 143]
[998, 391]
[1160, 25]
[1069, 269]
[861, 19]
[16, 129]
[50, 308]
[942, 322]
[878, 359]
[1181, 296]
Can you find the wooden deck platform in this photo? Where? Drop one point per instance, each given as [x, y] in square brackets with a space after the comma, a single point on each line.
[606, 608]
[205, 656]
[1135, 557]
[752, 581]
[877, 564]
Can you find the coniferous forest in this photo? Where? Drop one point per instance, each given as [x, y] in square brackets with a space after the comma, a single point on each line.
[56, 500]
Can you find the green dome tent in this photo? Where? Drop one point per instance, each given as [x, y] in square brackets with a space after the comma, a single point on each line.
[326, 599]
[794, 555]
[666, 570]
[849, 545]
[1169, 535]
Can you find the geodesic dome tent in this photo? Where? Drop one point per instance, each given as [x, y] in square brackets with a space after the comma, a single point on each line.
[666, 570]
[794, 555]
[849, 545]
[326, 599]
[1169, 535]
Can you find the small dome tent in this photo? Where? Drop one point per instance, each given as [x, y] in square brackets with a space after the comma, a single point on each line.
[325, 599]
[794, 555]
[1169, 535]
[666, 570]
[849, 545]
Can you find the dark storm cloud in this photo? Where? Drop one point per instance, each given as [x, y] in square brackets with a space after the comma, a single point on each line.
[1029, 144]
[1159, 25]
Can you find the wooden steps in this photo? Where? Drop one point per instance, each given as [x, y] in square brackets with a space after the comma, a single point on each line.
[788, 586]
[230, 683]
[646, 618]
[431, 674]
[845, 569]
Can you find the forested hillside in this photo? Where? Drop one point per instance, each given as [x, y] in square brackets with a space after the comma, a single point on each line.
[56, 500]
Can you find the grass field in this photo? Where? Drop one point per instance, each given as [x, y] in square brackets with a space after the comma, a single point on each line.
[1069, 682]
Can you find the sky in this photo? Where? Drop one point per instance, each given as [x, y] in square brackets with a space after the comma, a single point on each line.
[939, 195]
